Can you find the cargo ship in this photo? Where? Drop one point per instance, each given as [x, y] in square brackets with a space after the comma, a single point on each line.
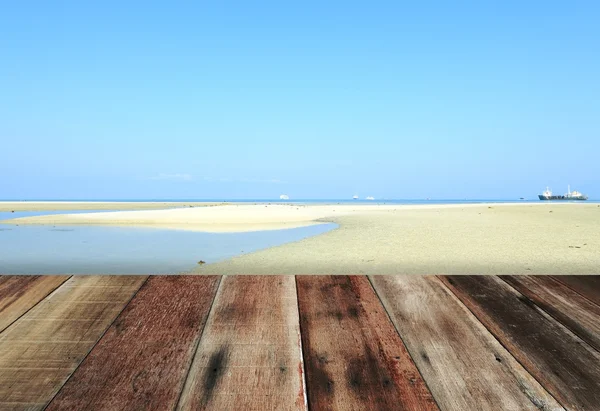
[571, 195]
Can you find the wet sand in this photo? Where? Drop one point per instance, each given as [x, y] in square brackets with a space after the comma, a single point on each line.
[538, 238]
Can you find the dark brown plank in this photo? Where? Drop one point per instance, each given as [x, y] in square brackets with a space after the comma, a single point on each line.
[572, 310]
[18, 293]
[40, 350]
[141, 362]
[354, 358]
[586, 285]
[563, 363]
[249, 356]
[464, 366]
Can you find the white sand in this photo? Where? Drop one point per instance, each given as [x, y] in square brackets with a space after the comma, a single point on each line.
[531, 239]
[540, 238]
[222, 218]
[94, 205]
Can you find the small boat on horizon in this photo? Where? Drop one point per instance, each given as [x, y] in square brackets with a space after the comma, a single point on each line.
[355, 197]
[370, 198]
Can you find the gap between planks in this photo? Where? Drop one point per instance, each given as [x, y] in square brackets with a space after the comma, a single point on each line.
[167, 314]
[463, 364]
[26, 343]
[564, 364]
[39, 293]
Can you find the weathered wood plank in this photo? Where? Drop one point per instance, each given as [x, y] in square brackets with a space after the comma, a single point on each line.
[355, 360]
[464, 366]
[563, 363]
[41, 349]
[141, 362]
[572, 310]
[249, 356]
[18, 293]
[586, 285]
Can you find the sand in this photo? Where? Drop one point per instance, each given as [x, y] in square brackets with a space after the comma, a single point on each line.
[216, 219]
[94, 205]
[532, 239]
[539, 238]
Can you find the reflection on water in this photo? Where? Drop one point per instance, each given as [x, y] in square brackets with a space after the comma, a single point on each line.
[33, 249]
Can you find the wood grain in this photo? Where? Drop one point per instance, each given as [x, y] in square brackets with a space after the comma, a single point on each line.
[18, 293]
[572, 310]
[586, 285]
[249, 356]
[354, 358]
[141, 362]
[41, 349]
[563, 363]
[464, 365]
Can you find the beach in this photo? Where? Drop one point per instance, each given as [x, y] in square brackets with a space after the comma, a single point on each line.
[96, 205]
[511, 238]
[487, 239]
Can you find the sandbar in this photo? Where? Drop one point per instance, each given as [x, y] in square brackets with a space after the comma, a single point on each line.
[513, 238]
[97, 205]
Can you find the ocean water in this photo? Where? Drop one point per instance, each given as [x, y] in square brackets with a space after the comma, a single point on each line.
[46, 249]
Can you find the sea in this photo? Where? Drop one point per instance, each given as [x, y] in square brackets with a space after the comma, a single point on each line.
[304, 201]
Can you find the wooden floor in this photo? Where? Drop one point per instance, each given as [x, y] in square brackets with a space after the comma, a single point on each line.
[309, 342]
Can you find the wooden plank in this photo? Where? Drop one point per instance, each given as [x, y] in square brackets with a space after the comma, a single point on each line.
[249, 356]
[563, 363]
[355, 360]
[570, 308]
[141, 362]
[464, 366]
[586, 285]
[41, 349]
[18, 293]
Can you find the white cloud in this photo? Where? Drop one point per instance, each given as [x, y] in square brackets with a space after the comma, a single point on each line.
[255, 180]
[173, 177]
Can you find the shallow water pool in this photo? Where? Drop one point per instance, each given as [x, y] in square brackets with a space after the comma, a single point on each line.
[47, 249]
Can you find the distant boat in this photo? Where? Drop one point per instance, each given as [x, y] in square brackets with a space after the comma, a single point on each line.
[284, 197]
[370, 198]
[355, 197]
[571, 195]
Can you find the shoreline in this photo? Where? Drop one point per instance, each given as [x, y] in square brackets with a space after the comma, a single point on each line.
[8, 206]
[226, 218]
[492, 238]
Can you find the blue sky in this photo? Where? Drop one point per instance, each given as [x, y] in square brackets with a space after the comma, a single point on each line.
[315, 99]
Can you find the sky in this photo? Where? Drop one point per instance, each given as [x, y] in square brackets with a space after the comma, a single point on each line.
[313, 99]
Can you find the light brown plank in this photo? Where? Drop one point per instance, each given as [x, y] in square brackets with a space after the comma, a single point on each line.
[354, 358]
[586, 285]
[249, 356]
[564, 364]
[18, 293]
[41, 349]
[463, 364]
[570, 308]
[141, 362]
